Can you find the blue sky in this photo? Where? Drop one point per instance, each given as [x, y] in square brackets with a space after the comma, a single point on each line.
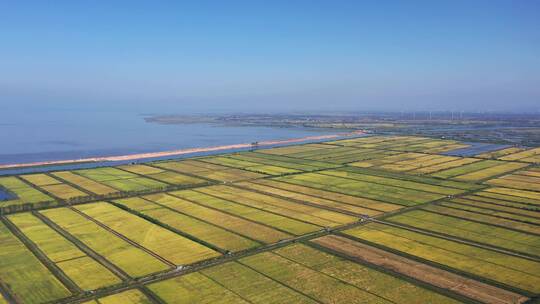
[179, 56]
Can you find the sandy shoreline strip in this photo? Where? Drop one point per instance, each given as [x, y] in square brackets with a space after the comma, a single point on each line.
[176, 152]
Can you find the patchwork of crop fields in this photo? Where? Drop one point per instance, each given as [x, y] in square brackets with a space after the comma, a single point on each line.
[371, 219]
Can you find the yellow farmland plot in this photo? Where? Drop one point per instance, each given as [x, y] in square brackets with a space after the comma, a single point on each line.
[507, 269]
[85, 183]
[470, 230]
[306, 213]
[296, 149]
[84, 271]
[133, 296]
[132, 260]
[531, 156]
[140, 169]
[165, 243]
[348, 199]
[525, 180]
[492, 218]
[380, 284]
[253, 286]
[188, 202]
[309, 199]
[446, 165]
[64, 191]
[515, 192]
[490, 172]
[24, 192]
[207, 232]
[28, 279]
[40, 179]
[500, 153]
[209, 171]
[194, 288]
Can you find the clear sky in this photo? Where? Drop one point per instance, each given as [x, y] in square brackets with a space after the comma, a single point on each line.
[271, 55]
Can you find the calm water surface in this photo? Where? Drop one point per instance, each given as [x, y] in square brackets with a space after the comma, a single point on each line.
[28, 136]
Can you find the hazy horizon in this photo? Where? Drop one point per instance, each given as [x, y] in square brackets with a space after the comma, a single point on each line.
[278, 56]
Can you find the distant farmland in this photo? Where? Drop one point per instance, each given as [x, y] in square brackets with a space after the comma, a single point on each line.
[373, 219]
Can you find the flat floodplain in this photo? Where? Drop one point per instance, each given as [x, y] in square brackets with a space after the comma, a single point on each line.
[503, 268]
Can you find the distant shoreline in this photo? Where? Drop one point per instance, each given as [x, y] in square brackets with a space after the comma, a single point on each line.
[139, 156]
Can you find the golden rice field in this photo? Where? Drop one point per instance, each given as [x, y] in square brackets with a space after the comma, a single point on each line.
[368, 219]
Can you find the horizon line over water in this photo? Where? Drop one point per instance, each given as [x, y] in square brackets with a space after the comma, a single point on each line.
[56, 136]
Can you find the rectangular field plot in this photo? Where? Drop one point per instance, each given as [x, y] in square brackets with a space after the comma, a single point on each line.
[523, 179]
[530, 156]
[199, 229]
[496, 211]
[40, 179]
[121, 180]
[509, 208]
[209, 171]
[468, 230]
[500, 153]
[300, 197]
[85, 183]
[306, 213]
[168, 177]
[425, 183]
[248, 165]
[446, 165]
[133, 296]
[194, 288]
[509, 270]
[330, 279]
[164, 243]
[24, 192]
[253, 286]
[479, 170]
[282, 161]
[28, 279]
[54, 186]
[477, 215]
[419, 271]
[222, 214]
[130, 259]
[328, 195]
[348, 155]
[394, 194]
[64, 191]
[81, 269]
[290, 150]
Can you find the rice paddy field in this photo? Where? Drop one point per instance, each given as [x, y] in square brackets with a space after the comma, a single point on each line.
[369, 219]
